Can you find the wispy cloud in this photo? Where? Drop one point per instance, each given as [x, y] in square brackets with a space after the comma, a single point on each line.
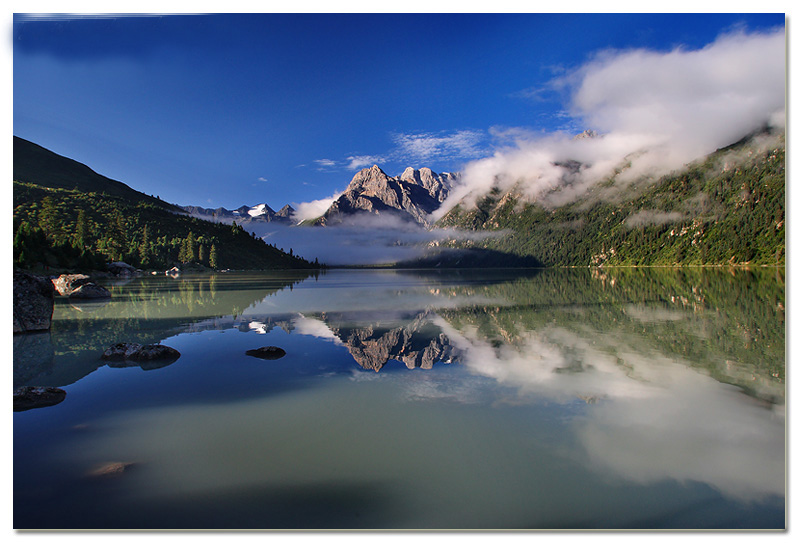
[262, 178]
[362, 161]
[324, 164]
[427, 146]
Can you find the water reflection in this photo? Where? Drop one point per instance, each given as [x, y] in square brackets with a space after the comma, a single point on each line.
[555, 399]
[579, 331]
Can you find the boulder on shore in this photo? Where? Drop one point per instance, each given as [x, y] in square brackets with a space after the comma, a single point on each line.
[33, 302]
[138, 352]
[268, 352]
[90, 290]
[27, 398]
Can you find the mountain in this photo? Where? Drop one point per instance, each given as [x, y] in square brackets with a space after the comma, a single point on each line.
[37, 165]
[66, 216]
[727, 208]
[414, 194]
[260, 213]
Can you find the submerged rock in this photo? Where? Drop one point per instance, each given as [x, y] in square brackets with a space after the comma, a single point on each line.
[108, 470]
[27, 398]
[33, 302]
[268, 352]
[137, 352]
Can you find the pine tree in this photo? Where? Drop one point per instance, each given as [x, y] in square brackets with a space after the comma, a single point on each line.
[201, 253]
[117, 236]
[144, 246]
[48, 217]
[191, 252]
[212, 257]
[81, 230]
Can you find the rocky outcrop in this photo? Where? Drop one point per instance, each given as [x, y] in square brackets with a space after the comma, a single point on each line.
[27, 398]
[268, 352]
[414, 194]
[33, 302]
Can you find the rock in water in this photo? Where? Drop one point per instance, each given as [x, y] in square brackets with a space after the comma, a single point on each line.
[65, 284]
[90, 290]
[33, 302]
[268, 352]
[122, 270]
[138, 352]
[26, 398]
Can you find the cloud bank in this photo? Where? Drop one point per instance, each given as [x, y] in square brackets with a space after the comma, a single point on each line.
[313, 209]
[655, 112]
[362, 240]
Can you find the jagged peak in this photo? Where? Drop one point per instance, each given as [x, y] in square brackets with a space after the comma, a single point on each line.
[286, 211]
[368, 175]
[413, 175]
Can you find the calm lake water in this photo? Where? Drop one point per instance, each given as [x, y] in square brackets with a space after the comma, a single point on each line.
[567, 399]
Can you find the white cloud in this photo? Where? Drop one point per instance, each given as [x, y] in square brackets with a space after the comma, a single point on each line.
[262, 179]
[362, 161]
[313, 209]
[323, 164]
[656, 110]
[462, 144]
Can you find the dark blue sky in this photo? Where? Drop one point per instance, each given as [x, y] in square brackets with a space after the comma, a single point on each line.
[225, 110]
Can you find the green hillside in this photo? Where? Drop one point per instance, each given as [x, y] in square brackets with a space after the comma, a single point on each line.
[726, 209]
[96, 220]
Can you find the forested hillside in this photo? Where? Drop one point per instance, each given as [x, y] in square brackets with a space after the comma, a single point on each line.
[75, 230]
[726, 209]
[66, 216]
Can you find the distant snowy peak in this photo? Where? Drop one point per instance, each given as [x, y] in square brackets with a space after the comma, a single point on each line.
[261, 213]
[254, 211]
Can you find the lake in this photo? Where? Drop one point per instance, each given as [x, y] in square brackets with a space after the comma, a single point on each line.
[463, 399]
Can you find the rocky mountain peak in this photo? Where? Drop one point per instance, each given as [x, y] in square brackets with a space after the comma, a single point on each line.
[369, 179]
[287, 212]
[414, 192]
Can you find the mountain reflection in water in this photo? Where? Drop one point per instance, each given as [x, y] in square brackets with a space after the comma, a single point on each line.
[652, 376]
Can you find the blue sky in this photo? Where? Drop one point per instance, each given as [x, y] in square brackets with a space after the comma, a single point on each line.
[226, 110]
